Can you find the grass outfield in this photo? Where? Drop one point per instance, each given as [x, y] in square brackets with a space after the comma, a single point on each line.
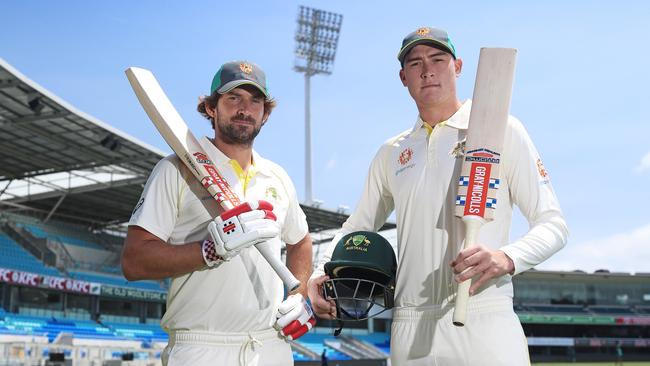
[592, 364]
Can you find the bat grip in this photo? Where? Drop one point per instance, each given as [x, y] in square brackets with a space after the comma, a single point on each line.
[266, 250]
[472, 226]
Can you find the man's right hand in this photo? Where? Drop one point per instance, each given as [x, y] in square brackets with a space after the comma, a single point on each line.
[243, 226]
[323, 308]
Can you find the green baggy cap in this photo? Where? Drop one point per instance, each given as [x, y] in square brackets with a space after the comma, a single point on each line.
[434, 37]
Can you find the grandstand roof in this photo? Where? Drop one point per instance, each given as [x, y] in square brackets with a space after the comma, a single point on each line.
[61, 163]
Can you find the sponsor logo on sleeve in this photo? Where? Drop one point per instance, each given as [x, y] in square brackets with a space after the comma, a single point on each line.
[543, 173]
[138, 206]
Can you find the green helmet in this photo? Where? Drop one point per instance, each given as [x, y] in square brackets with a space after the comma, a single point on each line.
[362, 276]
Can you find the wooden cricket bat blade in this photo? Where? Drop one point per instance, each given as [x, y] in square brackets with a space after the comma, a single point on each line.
[479, 180]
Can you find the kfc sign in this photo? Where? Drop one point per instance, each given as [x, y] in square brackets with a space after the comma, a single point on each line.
[70, 285]
[57, 283]
[20, 278]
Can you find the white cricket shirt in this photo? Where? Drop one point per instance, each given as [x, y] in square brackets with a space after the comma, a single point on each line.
[237, 296]
[416, 174]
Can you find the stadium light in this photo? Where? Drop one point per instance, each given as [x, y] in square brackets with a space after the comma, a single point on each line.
[317, 37]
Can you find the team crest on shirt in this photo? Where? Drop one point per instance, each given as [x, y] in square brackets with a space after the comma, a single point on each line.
[246, 68]
[405, 160]
[405, 156]
[271, 192]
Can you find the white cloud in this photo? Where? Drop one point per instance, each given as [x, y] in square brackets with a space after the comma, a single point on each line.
[644, 164]
[623, 252]
[331, 164]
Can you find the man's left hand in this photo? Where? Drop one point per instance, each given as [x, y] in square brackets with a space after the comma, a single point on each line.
[294, 317]
[479, 260]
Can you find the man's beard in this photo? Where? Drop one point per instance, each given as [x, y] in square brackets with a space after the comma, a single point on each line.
[236, 134]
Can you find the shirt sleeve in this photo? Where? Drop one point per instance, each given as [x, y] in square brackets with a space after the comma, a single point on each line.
[374, 206]
[531, 190]
[295, 224]
[158, 206]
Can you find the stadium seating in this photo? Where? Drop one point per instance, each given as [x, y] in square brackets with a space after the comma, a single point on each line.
[52, 326]
[316, 343]
[71, 314]
[58, 233]
[14, 256]
[379, 340]
[142, 332]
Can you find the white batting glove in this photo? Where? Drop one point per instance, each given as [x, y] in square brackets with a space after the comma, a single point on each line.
[294, 317]
[241, 227]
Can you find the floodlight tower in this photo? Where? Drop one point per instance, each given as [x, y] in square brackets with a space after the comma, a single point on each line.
[316, 40]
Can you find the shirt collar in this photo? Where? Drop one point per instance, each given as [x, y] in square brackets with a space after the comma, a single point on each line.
[262, 165]
[458, 120]
[220, 159]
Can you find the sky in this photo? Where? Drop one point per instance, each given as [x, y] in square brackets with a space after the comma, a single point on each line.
[581, 89]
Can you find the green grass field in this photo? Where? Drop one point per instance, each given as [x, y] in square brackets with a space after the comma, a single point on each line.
[593, 364]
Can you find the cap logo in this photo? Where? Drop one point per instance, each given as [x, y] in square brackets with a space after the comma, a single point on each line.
[246, 68]
[422, 31]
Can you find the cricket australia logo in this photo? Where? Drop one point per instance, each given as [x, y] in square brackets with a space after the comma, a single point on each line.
[405, 156]
[246, 68]
[357, 242]
[422, 31]
[271, 192]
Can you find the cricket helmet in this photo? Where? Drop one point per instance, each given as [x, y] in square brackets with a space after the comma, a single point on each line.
[362, 276]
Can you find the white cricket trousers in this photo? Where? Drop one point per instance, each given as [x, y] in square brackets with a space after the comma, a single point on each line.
[262, 348]
[492, 336]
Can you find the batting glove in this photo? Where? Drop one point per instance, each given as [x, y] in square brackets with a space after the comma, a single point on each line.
[294, 317]
[241, 227]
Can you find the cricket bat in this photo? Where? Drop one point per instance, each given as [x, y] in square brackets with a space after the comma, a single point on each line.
[174, 130]
[479, 178]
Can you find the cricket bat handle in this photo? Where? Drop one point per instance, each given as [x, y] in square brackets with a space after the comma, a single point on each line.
[290, 281]
[265, 248]
[472, 226]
